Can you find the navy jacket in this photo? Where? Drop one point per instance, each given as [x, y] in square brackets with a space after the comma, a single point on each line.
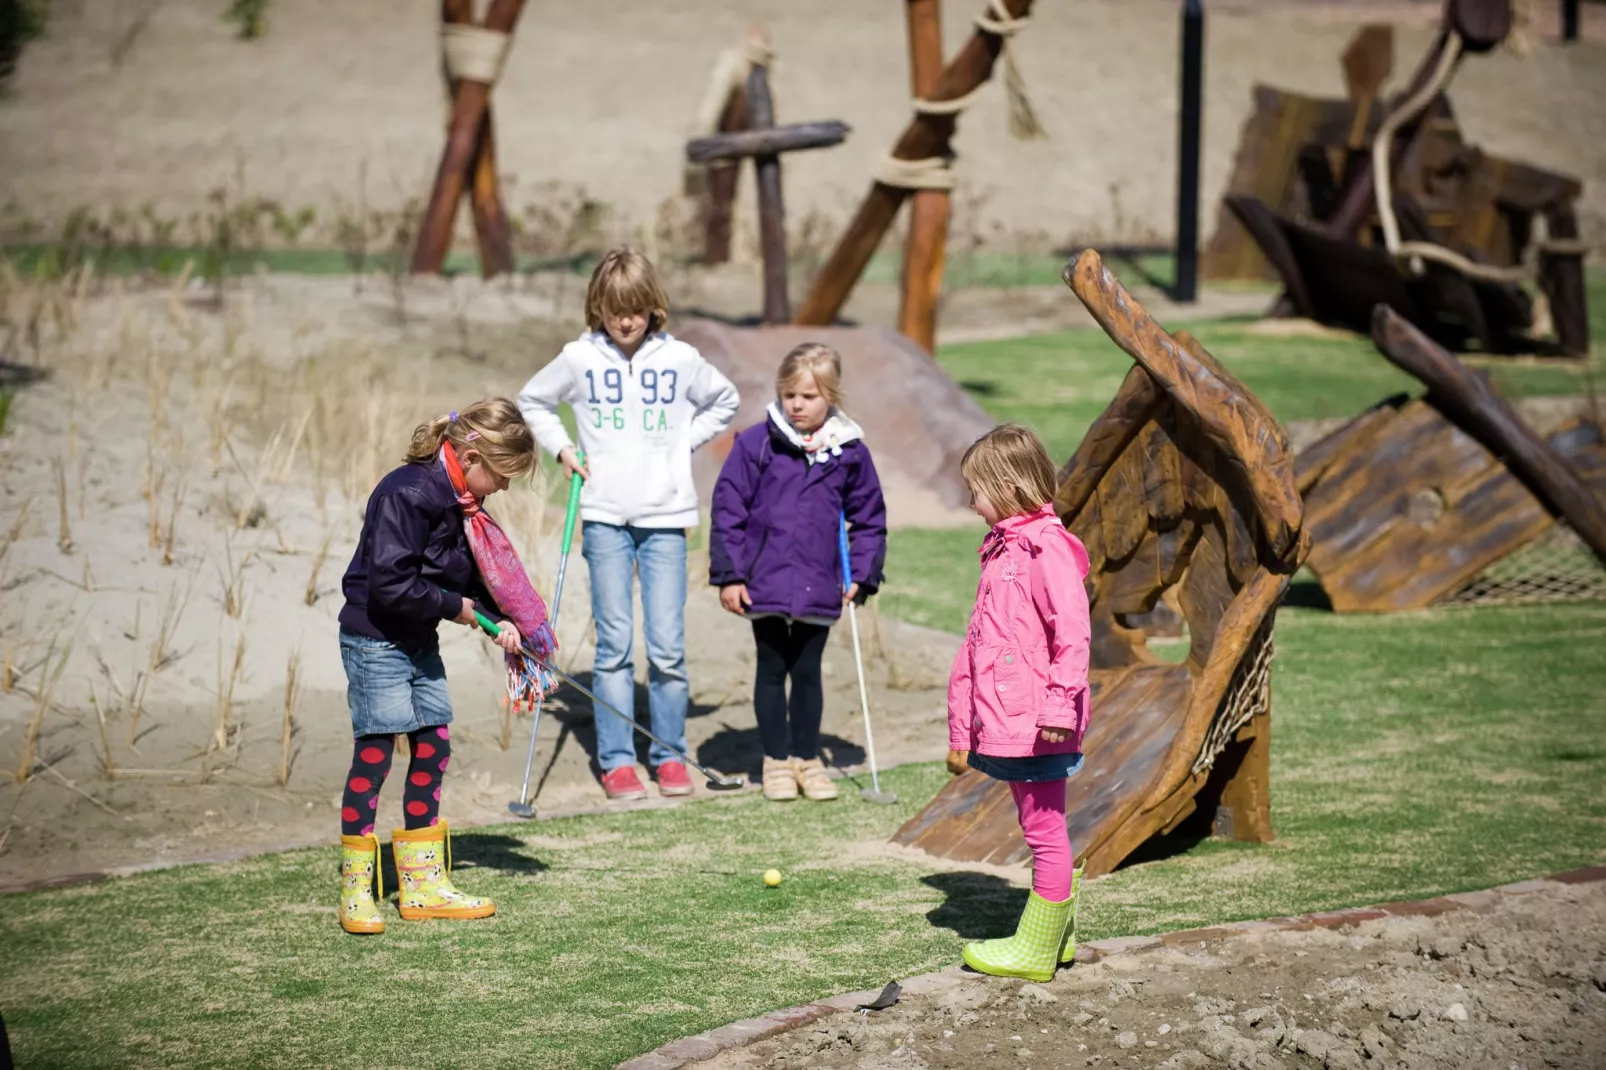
[775, 521]
[412, 545]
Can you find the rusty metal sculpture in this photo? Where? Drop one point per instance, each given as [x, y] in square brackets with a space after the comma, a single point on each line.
[1185, 481]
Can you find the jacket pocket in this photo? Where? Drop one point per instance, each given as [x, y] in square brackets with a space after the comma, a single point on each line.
[1006, 676]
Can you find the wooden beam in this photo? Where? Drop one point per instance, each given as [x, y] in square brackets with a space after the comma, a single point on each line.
[463, 146]
[1561, 276]
[772, 141]
[771, 211]
[925, 250]
[925, 136]
[722, 187]
[1472, 405]
[1262, 224]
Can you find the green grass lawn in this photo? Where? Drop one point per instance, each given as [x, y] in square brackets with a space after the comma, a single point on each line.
[1413, 754]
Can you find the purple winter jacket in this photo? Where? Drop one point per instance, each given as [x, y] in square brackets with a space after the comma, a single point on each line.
[775, 522]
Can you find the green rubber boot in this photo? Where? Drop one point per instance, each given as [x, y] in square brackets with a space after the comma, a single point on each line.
[1033, 952]
[1068, 951]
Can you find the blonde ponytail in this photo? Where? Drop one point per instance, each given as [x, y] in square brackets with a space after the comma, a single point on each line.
[493, 426]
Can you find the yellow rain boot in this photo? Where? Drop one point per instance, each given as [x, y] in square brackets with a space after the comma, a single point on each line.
[1068, 949]
[423, 860]
[359, 871]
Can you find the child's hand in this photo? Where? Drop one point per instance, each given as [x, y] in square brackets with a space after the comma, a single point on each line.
[734, 597]
[958, 761]
[1054, 735]
[572, 464]
[509, 638]
[466, 616]
[850, 594]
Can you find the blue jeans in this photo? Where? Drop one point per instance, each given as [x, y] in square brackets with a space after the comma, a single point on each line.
[390, 691]
[614, 555]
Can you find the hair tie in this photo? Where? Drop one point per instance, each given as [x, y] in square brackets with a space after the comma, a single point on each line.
[451, 417]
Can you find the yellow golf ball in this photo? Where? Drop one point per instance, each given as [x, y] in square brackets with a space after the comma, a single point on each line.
[772, 877]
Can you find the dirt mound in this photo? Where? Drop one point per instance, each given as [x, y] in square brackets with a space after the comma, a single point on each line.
[1523, 984]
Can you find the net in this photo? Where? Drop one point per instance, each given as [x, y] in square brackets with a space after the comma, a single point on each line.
[1558, 566]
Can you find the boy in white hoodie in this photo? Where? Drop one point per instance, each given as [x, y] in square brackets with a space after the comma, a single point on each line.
[643, 402]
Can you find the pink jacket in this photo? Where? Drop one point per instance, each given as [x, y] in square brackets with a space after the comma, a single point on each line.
[1023, 665]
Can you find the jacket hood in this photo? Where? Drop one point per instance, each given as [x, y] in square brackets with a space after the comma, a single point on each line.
[1032, 530]
[603, 342]
[825, 443]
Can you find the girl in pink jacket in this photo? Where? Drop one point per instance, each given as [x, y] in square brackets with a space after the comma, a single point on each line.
[1017, 695]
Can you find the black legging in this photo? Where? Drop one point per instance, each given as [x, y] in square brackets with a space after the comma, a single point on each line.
[370, 765]
[789, 648]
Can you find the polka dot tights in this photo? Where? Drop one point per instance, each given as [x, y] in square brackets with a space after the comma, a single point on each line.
[370, 764]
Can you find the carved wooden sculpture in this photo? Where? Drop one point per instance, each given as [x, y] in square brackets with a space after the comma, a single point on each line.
[474, 59]
[1185, 481]
[1411, 502]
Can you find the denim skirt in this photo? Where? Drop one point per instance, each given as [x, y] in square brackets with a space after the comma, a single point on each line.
[1027, 770]
[390, 691]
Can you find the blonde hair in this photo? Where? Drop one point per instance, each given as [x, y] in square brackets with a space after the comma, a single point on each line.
[1010, 466]
[625, 282]
[493, 427]
[818, 360]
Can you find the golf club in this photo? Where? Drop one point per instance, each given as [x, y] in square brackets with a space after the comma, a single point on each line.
[716, 781]
[523, 808]
[873, 793]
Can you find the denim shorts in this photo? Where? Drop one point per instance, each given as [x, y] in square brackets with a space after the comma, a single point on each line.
[1031, 769]
[391, 691]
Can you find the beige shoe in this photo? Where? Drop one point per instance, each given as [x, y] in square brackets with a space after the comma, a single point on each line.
[780, 782]
[813, 779]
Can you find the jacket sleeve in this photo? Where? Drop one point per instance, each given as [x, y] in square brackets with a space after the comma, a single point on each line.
[398, 534]
[866, 511]
[733, 504]
[959, 708]
[539, 401]
[716, 399]
[1060, 598]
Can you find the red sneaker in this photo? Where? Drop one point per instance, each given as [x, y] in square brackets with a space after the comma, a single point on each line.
[672, 779]
[623, 783]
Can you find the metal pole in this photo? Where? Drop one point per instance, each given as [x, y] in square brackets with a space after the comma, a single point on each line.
[1187, 269]
[1569, 20]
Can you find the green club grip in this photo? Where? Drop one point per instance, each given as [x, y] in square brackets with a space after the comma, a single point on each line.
[575, 483]
[491, 627]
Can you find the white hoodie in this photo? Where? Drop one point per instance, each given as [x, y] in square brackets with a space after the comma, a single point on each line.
[639, 419]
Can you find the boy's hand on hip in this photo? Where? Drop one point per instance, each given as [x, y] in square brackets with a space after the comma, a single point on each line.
[572, 465]
[466, 616]
[734, 597]
[958, 761]
[1054, 735]
[509, 638]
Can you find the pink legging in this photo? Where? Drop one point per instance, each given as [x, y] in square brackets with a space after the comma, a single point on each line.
[1042, 821]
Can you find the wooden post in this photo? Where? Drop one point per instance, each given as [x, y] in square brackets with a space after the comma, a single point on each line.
[771, 212]
[1243, 812]
[468, 143]
[925, 136]
[925, 251]
[722, 180]
[1561, 276]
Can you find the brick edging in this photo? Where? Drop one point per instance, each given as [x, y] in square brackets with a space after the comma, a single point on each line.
[694, 1049]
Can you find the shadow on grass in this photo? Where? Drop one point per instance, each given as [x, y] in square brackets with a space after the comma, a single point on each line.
[738, 750]
[471, 850]
[1306, 593]
[979, 906]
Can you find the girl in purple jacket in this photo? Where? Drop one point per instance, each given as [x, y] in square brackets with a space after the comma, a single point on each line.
[775, 557]
[1018, 693]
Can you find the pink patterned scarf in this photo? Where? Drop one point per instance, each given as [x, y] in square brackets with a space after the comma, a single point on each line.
[504, 575]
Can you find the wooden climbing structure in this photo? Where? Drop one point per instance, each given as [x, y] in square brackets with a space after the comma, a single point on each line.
[1452, 498]
[473, 54]
[1359, 202]
[1186, 482]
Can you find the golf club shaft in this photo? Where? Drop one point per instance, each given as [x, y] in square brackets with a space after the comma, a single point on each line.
[631, 721]
[864, 699]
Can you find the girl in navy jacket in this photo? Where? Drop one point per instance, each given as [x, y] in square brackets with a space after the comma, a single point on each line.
[774, 553]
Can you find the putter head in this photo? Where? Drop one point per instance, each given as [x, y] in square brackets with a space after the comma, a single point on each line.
[521, 809]
[726, 782]
[881, 798]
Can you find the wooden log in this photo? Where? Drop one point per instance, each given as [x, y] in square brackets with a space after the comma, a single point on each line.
[1467, 400]
[491, 230]
[1262, 226]
[1482, 24]
[740, 144]
[924, 137]
[1253, 446]
[469, 105]
[1561, 276]
[925, 249]
[1367, 62]
[771, 211]
[1127, 413]
[722, 182]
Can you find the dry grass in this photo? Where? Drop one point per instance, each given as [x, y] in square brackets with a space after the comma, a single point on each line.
[226, 736]
[311, 595]
[50, 677]
[233, 578]
[64, 536]
[15, 530]
[292, 692]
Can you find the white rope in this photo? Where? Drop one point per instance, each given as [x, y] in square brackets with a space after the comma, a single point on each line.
[1023, 122]
[933, 172]
[728, 76]
[473, 52]
[1415, 252]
